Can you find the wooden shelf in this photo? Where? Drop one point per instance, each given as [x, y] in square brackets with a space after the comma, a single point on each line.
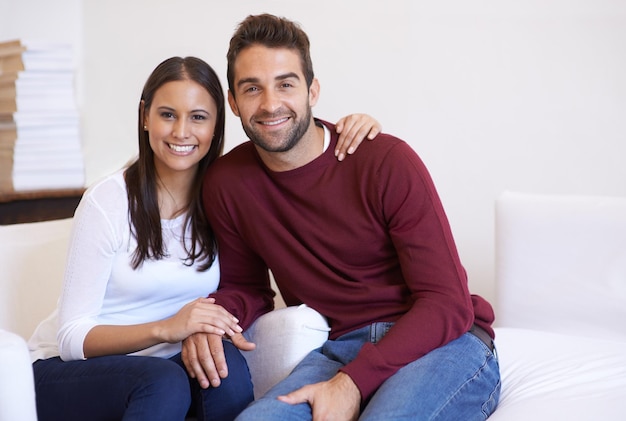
[39, 205]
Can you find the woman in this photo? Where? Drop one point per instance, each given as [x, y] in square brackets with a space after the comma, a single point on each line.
[141, 260]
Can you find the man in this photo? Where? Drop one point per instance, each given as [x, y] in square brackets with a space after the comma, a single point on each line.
[365, 242]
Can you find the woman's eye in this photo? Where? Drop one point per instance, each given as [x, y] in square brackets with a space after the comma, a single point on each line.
[198, 117]
[167, 114]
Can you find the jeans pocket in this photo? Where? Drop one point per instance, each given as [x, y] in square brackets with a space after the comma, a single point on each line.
[378, 330]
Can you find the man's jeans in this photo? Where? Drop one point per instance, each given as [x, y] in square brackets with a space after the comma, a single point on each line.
[459, 381]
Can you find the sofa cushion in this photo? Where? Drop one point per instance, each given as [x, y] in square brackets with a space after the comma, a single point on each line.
[283, 337]
[561, 264]
[32, 258]
[551, 376]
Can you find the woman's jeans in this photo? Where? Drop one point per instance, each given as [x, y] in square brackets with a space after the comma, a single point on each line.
[459, 381]
[121, 387]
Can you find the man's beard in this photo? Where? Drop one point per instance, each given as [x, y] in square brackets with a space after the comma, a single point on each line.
[291, 138]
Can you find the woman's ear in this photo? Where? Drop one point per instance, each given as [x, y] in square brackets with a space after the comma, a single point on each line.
[143, 115]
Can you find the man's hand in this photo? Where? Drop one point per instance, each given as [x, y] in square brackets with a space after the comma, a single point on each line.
[203, 356]
[335, 399]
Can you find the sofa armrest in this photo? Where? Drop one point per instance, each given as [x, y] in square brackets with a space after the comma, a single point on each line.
[283, 338]
[17, 389]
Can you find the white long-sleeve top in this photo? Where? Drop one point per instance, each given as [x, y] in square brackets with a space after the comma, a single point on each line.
[101, 287]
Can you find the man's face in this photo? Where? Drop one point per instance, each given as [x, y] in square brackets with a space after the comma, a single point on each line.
[271, 97]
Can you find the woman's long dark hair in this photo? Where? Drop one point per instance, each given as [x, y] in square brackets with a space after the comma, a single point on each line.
[141, 177]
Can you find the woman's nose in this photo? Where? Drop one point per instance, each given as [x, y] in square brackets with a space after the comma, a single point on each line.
[181, 129]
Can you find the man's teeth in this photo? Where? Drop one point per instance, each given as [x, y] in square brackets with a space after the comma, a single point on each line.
[273, 123]
[181, 148]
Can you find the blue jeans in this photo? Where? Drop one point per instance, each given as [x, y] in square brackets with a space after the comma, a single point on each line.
[129, 388]
[459, 381]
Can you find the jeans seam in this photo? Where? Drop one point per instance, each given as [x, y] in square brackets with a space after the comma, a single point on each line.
[493, 399]
[470, 379]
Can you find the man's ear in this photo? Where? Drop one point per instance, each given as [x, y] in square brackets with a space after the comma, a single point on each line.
[233, 103]
[314, 92]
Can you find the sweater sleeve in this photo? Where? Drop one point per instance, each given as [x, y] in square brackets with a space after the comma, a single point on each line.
[244, 290]
[441, 309]
[90, 258]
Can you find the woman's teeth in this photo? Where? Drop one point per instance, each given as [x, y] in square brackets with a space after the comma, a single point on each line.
[181, 148]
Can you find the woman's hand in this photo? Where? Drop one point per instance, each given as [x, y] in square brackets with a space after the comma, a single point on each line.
[352, 130]
[200, 315]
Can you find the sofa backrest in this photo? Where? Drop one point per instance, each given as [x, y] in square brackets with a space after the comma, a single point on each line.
[561, 264]
[32, 261]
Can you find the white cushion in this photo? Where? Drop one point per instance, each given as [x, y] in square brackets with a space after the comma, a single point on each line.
[283, 338]
[561, 264]
[550, 376]
[32, 258]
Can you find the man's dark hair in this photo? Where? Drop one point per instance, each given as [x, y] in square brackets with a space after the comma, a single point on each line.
[272, 32]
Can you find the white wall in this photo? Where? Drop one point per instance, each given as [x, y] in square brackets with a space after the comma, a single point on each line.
[494, 95]
[54, 21]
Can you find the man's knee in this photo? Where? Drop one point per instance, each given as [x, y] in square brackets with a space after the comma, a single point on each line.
[272, 409]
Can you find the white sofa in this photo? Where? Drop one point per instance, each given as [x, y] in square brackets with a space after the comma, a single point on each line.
[561, 310]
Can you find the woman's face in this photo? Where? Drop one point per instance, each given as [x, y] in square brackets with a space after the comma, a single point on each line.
[181, 123]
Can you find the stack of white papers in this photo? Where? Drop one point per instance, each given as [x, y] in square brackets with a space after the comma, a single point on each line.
[39, 122]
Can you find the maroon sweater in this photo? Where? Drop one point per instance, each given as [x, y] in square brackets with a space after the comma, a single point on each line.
[361, 241]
